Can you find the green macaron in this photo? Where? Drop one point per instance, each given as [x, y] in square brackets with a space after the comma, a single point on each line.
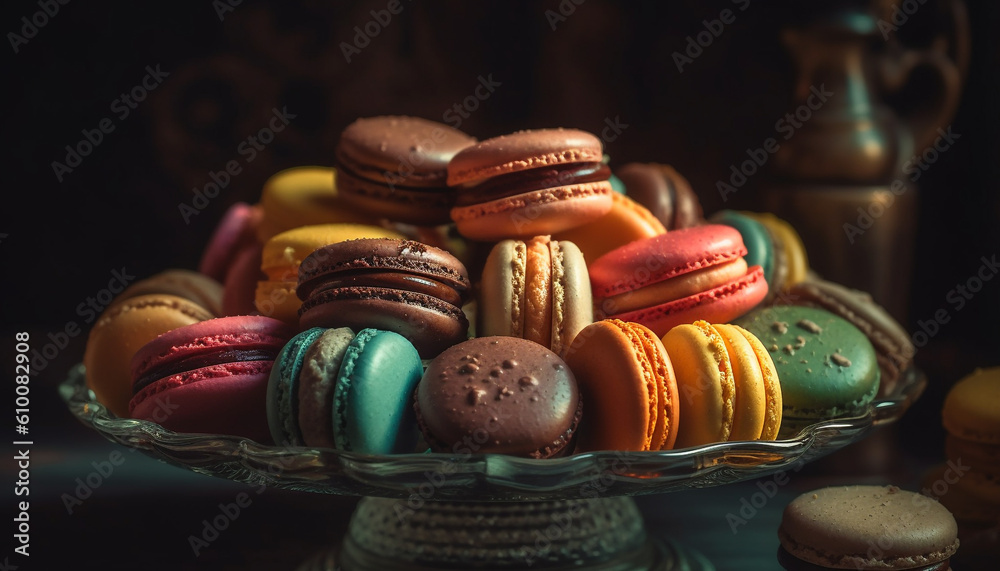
[826, 366]
[760, 247]
[332, 388]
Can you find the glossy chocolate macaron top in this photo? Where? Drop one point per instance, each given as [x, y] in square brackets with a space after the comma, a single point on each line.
[662, 190]
[499, 395]
[521, 151]
[868, 527]
[409, 151]
[370, 255]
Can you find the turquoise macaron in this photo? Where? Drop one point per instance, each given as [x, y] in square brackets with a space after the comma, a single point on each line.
[826, 366]
[334, 388]
[760, 247]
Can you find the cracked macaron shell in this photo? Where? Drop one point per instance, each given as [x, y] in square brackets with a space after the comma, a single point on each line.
[827, 367]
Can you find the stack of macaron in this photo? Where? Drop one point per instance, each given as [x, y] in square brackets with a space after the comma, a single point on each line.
[430, 290]
[968, 483]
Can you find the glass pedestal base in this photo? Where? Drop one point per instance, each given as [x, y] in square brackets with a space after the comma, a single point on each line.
[605, 534]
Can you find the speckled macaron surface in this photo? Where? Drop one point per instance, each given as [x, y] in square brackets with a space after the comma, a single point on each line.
[868, 527]
[827, 367]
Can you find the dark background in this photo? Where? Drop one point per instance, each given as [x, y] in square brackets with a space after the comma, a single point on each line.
[62, 240]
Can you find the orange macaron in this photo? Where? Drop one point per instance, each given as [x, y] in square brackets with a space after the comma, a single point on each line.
[628, 387]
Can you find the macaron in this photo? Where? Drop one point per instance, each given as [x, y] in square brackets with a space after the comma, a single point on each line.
[332, 388]
[191, 285]
[396, 167]
[972, 407]
[396, 285]
[677, 277]
[757, 239]
[971, 418]
[866, 527]
[235, 231]
[728, 386]
[664, 191]
[529, 183]
[828, 367]
[627, 221]
[501, 395]
[283, 254]
[627, 382]
[209, 377]
[892, 343]
[303, 196]
[121, 330]
[791, 262]
[240, 286]
[537, 290]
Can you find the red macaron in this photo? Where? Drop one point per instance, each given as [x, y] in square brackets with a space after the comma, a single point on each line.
[209, 377]
[679, 277]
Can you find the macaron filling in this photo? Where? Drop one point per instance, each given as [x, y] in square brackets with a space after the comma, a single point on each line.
[676, 287]
[391, 280]
[171, 368]
[520, 182]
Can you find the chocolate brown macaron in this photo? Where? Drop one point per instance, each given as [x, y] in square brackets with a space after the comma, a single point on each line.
[500, 395]
[396, 167]
[662, 190]
[866, 527]
[396, 285]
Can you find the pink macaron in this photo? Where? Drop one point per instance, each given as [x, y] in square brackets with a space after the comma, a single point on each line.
[236, 231]
[209, 377]
[679, 277]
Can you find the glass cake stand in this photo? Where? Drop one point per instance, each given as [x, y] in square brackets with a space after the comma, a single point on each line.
[491, 511]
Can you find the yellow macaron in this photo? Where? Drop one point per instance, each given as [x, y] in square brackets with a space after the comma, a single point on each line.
[790, 251]
[728, 386]
[283, 254]
[303, 196]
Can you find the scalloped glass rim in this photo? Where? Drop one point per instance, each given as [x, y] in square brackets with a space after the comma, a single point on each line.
[479, 477]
